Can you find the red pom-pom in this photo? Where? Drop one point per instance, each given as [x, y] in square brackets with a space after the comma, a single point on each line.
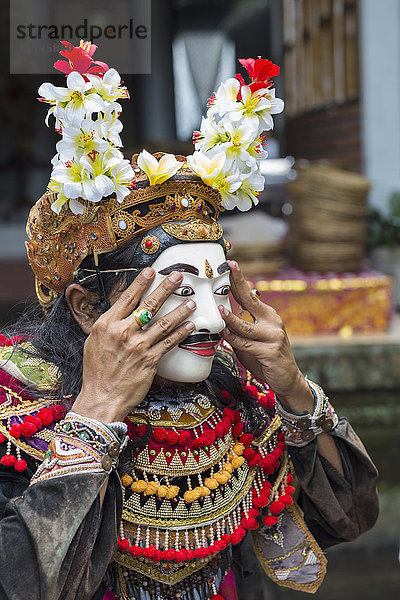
[237, 429]
[58, 411]
[226, 538]
[135, 551]
[199, 442]
[217, 597]
[201, 552]
[123, 544]
[209, 436]
[228, 413]
[219, 545]
[152, 553]
[276, 507]
[268, 465]
[46, 416]
[180, 555]
[278, 452]
[172, 437]
[261, 500]
[250, 523]
[28, 429]
[2, 438]
[15, 430]
[8, 460]
[270, 520]
[159, 434]
[183, 438]
[290, 489]
[263, 400]
[254, 512]
[20, 465]
[255, 460]
[220, 430]
[34, 420]
[289, 478]
[189, 554]
[252, 390]
[249, 453]
[246, 439]
[238, 535]
[141, 430]
[168, 555]
[281, 437]
[286, 500]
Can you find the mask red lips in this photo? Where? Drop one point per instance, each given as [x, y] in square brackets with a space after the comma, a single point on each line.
[202, 344]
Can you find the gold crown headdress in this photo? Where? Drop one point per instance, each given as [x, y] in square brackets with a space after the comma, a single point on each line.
[97, 201]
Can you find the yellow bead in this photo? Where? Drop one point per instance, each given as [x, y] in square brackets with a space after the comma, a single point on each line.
[228, 467]
[126, 480]
[139, 486]
[204, 490]
[211, 483]
[162, 491]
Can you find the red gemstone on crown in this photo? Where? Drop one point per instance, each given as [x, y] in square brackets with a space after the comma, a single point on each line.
[148, 244]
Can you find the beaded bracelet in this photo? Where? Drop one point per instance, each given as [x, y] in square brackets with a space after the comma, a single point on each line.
[81, 445]
[300, 429]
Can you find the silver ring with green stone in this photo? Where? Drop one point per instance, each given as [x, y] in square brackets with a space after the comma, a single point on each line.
[142, 316]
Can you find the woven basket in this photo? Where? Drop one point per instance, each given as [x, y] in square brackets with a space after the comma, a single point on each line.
[328, 223]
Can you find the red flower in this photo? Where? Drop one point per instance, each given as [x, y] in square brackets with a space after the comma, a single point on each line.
[259, 69]
[80, 59]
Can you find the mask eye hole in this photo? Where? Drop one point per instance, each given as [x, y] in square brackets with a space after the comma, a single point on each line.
[223, 290]
[184, 290]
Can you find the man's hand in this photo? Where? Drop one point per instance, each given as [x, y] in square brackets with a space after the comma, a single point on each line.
[120, 359]
[263, 346]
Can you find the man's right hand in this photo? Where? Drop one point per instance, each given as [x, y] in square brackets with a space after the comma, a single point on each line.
[120, 359]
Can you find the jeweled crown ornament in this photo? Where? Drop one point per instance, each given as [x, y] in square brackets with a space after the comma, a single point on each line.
[98, 201]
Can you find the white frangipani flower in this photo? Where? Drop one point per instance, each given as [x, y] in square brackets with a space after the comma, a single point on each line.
[122, 175]
[76, 99]
[206, 168]
[108, 126]
[211, 134]
[77, 141]
[158, 171]
[227, 183]
[247, 193]
[98, 181]
[108, 87]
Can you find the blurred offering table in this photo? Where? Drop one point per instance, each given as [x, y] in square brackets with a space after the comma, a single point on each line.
[342, 304]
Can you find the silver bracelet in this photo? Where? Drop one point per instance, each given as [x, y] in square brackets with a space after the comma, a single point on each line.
[300, 430]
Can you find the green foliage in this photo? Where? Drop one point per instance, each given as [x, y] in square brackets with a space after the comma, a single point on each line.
[382, 229]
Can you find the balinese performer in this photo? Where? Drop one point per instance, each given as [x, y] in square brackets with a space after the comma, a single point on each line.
[145, 429]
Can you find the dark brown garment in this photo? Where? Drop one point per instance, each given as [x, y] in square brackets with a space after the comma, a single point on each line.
[56, 542]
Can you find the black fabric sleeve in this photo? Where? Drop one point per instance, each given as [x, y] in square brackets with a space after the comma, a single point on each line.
[337, 508]
[55, 540]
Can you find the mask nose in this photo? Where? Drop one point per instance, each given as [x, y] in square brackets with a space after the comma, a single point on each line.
[210, 321]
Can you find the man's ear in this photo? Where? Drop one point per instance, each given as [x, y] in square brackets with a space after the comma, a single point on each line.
[80, 303]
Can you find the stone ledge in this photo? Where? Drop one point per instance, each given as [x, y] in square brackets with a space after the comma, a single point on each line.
[362, 362]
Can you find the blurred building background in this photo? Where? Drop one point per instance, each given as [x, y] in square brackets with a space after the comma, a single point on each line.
[325, 238]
